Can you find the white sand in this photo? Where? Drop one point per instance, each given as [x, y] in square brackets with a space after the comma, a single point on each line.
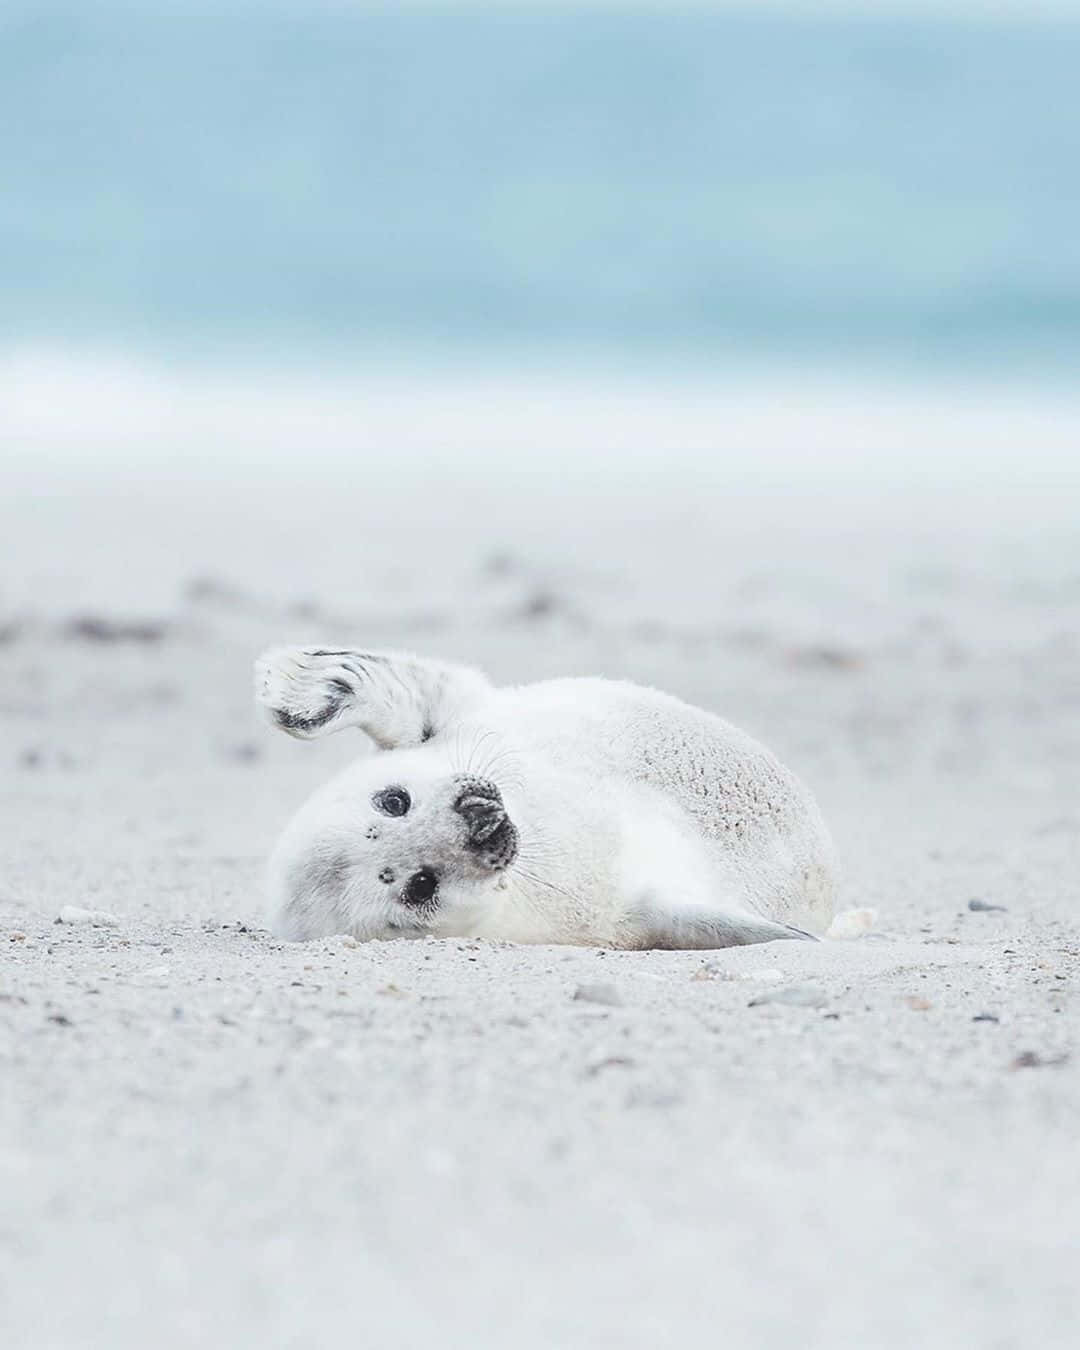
[208, 1137]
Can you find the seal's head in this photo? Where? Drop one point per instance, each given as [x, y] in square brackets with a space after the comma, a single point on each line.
[397, 845]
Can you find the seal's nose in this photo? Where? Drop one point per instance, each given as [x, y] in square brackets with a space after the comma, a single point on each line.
[480, 805]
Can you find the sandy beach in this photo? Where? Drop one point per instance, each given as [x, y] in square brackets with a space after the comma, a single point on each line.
[208, 1136]
[729, 348]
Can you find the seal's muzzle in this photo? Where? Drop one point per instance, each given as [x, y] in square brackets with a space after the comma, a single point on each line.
[489, 831]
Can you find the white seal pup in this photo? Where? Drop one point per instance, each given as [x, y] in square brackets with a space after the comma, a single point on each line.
[584, 811]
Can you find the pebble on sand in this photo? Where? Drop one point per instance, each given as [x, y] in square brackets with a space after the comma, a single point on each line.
[852, 923]
[758, 974]
[96, 918]
[605, 994]
[1031, 1059]
[794, 995]
[154, 976]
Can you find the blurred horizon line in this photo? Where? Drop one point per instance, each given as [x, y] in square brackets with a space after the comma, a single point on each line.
[62, 407]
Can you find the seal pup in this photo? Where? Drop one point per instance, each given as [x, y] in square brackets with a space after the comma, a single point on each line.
[583, 811]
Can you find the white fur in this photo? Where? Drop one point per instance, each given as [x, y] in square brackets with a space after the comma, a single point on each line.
[641, 820]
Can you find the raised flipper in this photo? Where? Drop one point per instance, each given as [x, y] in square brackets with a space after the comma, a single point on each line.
[398, 700]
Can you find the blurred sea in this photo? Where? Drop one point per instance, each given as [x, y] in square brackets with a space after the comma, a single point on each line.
[719, 313]
[670, 186]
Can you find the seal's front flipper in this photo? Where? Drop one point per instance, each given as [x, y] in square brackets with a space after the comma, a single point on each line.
[397, 699]
[671, 928]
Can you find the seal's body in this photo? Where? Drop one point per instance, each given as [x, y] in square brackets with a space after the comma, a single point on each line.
[581, 811]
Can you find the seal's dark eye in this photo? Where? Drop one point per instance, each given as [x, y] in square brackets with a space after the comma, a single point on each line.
[420, 887]
[393, 801]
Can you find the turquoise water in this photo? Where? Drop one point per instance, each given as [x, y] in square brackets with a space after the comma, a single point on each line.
[293, 178]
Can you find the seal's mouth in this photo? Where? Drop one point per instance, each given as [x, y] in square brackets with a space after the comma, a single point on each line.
[490, 835]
